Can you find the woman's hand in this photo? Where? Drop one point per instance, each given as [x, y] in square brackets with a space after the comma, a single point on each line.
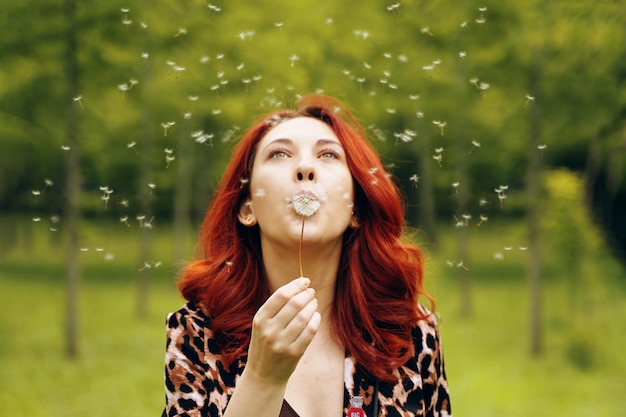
[281, 331]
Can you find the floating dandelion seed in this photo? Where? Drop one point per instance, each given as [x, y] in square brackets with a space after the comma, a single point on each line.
[178, 70]
[140, 218]
[133, 146]
[169, 157]
[362, 34]
[36, 193]
[440, 124]
[483, 86]
[529, 98]
[466, 218]
[48, 183]
[438, 158]
[419, 114]
[461, 264]
[405, 136]
[498, 256]
[279, 24]
[462, 54]
[475, 144]
[415, 179]
[483, 219]
[124, 219]
[393, 7]
[123, 203]
[426, 30]
[541, 148]
[148, 224]
[455, 186]
[200, 137]
[152, 187]
[214, 8]
[187, 115]
[458, 223]
[145, 55]
[166, 126]
[78, 99]
[106, 195]
[501, 197]
[293, 58]
[483, 202]
[143, 25]
[181, 31]
[463, 24]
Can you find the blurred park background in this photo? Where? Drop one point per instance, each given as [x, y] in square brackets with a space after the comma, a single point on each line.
[503, 122]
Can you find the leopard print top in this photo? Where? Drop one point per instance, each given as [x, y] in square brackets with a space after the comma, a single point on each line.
[197, 384]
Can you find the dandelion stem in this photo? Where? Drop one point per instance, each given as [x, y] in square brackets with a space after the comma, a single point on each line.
[300, 247]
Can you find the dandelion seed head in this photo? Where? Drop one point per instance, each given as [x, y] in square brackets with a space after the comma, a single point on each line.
[305, 204]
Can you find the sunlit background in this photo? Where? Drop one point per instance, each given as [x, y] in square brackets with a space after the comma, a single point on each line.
[504, 123]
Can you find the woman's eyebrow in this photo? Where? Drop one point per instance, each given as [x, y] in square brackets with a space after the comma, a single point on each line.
[285, 141]
[329, 142]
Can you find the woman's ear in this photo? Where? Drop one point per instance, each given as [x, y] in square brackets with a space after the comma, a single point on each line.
[246, 215]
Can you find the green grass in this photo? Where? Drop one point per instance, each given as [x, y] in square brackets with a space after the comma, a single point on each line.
[581, 372]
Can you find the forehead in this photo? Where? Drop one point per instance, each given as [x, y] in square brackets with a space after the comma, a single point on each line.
[300, 128]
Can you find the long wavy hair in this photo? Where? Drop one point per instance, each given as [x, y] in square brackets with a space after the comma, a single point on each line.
[379, 278]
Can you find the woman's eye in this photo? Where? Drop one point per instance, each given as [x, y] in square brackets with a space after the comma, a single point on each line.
[278, 153]
[330, 154]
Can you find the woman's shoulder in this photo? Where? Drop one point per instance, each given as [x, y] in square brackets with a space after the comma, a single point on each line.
[426, 330]
[190, 317]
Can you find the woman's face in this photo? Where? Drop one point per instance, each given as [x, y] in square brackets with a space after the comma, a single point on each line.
[300, 155]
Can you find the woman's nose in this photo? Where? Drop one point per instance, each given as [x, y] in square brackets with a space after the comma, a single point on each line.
[304, 173]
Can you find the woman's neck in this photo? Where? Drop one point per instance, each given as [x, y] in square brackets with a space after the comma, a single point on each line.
[320, 264]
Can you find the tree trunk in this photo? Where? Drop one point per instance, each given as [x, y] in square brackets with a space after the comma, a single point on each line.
[533, 189]
[426, 197]
[145, 192]
[182, 199]
[72, 181]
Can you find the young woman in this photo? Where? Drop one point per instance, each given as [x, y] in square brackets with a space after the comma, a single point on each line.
[305, 301]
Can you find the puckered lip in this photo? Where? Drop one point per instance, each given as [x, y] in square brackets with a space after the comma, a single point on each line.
[306, 193]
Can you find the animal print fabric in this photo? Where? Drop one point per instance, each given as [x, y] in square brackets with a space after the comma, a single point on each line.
[198, 385]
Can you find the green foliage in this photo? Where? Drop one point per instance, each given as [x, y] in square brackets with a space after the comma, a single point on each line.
[400, 67]
[568, 225]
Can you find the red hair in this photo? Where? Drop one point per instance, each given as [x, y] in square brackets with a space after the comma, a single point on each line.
[379, 278]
